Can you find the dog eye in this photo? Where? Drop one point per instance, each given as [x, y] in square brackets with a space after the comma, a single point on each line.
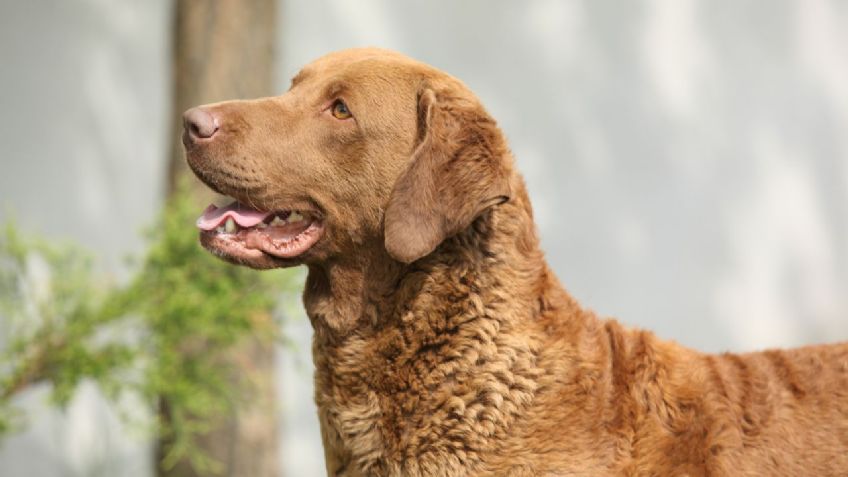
[340, 110]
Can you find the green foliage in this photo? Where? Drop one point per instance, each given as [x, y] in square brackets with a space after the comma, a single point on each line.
[195, 306]
[50, 304]
[162, 336]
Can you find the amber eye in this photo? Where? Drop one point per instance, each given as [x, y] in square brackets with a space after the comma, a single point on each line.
[340, 110]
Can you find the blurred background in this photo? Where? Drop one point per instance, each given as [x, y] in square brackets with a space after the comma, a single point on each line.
[687, 160]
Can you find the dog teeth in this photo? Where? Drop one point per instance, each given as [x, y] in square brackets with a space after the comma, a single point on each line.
[295, 217]
[220, 229]
[261, 225]
[230, 225]
[278, 221]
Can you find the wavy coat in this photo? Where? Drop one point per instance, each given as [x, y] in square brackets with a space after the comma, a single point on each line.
[445, 346]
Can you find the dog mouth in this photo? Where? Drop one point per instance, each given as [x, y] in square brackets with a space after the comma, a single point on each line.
[245, 233]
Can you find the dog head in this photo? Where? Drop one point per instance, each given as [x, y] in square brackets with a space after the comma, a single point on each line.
[367, 148]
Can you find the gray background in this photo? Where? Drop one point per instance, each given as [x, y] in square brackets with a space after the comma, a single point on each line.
[688, 163]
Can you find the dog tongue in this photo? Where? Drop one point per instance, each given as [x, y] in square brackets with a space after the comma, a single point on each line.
[214, 216]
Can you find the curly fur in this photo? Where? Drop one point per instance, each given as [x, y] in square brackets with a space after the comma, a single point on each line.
[445, 346]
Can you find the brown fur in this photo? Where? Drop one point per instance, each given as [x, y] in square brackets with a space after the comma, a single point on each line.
[444, 345]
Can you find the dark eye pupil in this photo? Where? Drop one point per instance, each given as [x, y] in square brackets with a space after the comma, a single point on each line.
[341, 108]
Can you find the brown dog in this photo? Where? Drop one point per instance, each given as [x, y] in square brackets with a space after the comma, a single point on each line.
[444, 345]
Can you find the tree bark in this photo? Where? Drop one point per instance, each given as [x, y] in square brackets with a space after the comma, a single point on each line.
[224, 49]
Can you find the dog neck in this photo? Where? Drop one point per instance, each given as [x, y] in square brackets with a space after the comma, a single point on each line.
[368, 290]
[394, 341]
[343, 296]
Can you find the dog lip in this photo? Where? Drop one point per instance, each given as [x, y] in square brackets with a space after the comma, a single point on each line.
[287, 246]
[258, 247]
[252, 258]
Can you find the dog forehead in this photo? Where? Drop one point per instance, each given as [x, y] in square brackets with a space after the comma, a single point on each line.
[366, 65]
[355, 55]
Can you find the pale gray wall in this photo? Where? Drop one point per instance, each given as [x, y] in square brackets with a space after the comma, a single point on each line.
[83, 117]
[688, 160]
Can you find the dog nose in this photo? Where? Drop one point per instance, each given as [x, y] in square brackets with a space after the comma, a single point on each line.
[199, 123]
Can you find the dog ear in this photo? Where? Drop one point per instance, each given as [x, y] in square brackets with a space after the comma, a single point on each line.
[458, 169]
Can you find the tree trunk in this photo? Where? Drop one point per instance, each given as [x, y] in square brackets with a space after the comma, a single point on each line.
[223, 49]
